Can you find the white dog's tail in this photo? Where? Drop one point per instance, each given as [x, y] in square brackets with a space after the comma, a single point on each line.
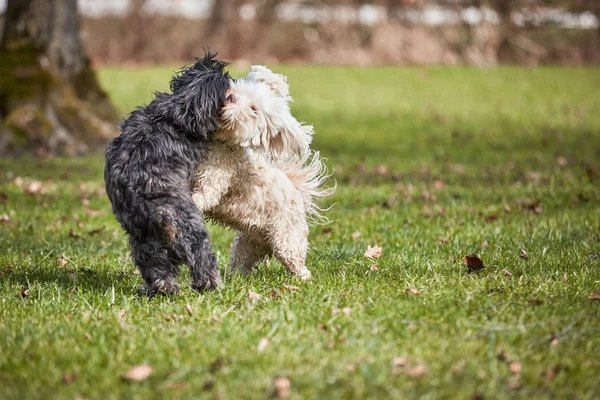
[308, 173]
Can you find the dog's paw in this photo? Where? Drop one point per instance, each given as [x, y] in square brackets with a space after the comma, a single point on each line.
[304, 274]
[206, 286]
[160, 286]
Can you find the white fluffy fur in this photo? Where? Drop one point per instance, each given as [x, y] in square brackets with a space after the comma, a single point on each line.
[260, 176]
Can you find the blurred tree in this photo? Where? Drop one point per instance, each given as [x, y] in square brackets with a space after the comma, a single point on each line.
[50, 99]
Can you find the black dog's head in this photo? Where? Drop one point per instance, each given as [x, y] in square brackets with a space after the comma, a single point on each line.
[198, 95]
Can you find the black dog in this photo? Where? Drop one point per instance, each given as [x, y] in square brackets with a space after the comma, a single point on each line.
[148, 173]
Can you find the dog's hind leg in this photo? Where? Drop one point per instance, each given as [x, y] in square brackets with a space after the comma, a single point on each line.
[290, 245]
[246, 253]
[156, 265]
[194, 245]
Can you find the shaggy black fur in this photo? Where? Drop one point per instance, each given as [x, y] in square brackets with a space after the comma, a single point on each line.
[148, 173]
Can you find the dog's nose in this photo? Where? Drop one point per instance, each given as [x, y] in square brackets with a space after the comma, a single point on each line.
[232, 98]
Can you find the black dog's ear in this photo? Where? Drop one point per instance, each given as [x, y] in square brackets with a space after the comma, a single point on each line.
[199, 93]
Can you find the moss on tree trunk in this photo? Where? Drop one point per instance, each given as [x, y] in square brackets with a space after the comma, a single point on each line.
[50, 99]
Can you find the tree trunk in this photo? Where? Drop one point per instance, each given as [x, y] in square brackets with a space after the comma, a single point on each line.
[50, 99]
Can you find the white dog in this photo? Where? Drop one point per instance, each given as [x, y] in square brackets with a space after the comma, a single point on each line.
[260, 176]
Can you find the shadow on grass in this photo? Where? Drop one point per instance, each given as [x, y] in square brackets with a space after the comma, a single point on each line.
[72, 279]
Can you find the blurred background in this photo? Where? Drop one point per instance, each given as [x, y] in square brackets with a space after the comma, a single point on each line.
[51, 101]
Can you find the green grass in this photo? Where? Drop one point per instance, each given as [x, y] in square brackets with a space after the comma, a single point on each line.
[426, 162]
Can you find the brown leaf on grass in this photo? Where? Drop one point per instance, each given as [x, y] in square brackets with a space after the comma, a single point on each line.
[380, 169]
[188, 308]
[554, 340]
[252, 296]
[282, 387]
[515, 367]
[373, 252]
[535, 301]
[4, 218]
[561, 161]
[438, 185]
[417, 372]
[550, 374]
[564, 277]
[96, 230]
[62, 261]
[263, 343]
[67, 379]
[291, 288]
[138, 373]
[24, 292]
[507, 208]
[399, 362]
[492, 217]
[74, 234]
[502, 356]
[507, 273]
[175, 385]
[523, 254]
[355, 235]
[95, 213]
[374, 267]
[485, 244]
[473, 262]
[34, 187]
[595, 296]
[345, 310]
[412, 291]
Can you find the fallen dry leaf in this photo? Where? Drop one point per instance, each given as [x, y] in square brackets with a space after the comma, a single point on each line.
[373, 252]
[96, 230]
[438, 185]
[473, 262]
[399, 362]
[523, 254]
[4, 218]
[414, 292]
[564, 277]
[282, 386]
[595, 296]
[374, 267]
[417, 372]
[355, 235]
[561, 161]
[74, 234]
[345, 310]
[67, 379]
[554, 340]
[252, 296]
[515, 367]
[62, 261]
[507, 208]
[263, 343]
[291, 288]
[188, 308]
[550, 374]
[175, 385]
[138, 373]
[507, 273]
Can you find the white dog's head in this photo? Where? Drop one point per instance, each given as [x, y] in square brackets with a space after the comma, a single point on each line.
[256, 114]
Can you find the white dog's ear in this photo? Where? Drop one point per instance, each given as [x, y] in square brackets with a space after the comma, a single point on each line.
[291, 138]
[277, 82]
